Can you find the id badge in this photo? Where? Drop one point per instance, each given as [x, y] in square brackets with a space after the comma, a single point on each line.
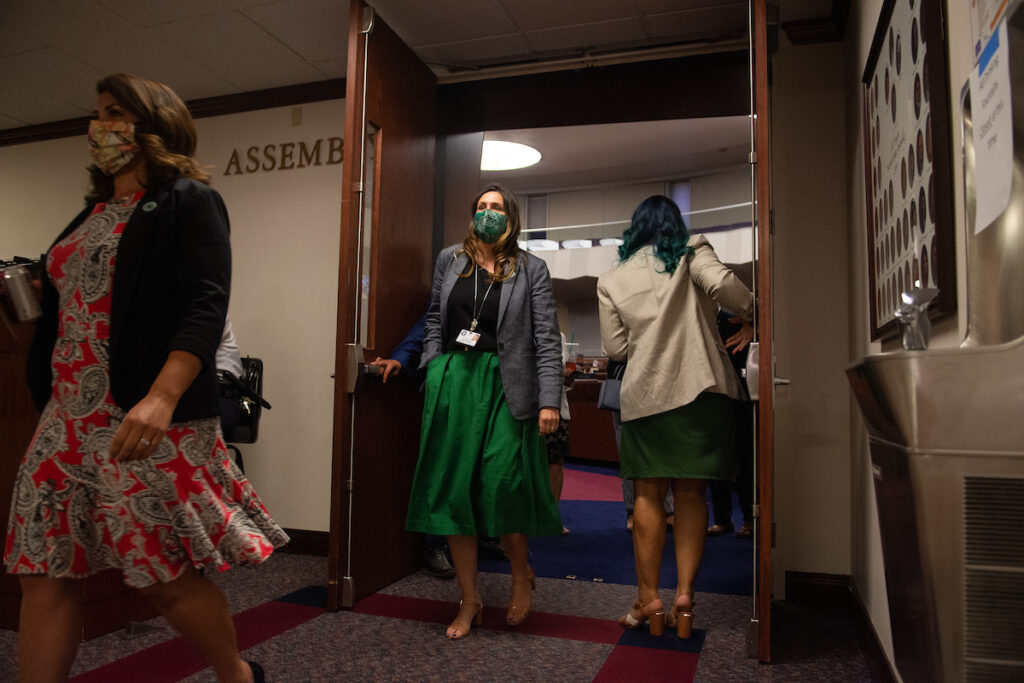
[468, 338]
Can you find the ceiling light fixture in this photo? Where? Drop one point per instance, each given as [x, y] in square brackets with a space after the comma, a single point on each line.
[506, 156]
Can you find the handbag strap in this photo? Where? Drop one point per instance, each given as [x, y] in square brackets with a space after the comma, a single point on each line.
[617, 371]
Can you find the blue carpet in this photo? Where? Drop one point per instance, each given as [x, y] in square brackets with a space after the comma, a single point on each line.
[599, 548]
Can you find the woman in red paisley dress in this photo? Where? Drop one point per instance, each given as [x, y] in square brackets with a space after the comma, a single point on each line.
[128, 468]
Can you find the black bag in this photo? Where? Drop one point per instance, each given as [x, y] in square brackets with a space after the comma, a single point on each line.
[608, 397]
[246, 391]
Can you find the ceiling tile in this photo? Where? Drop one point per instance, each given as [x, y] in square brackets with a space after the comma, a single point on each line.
[658, 6]
[44, 111]
[333, 68]
[475, 52]
[698, 24]
[15, 38]
[534, 15]
[138, 52]
[58, 21]
[7, 122]
[198, 89]
[425, 23]
[274, 76]
[152, 12]
[228, 43]
[601, 34]
[43, 75]
[316, 29]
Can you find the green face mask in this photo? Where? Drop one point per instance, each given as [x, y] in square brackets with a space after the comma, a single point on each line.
[489, 225]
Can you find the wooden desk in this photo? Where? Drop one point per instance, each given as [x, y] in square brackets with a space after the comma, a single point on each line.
[591, 433]
[107, 604]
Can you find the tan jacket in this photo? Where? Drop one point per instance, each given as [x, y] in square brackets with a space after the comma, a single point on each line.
[665, 325]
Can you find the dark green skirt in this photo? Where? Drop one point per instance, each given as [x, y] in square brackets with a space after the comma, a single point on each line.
[695, 441]
[480, 470]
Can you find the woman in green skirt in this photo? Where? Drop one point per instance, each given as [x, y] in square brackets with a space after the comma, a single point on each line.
[658, 308]
[493, 357]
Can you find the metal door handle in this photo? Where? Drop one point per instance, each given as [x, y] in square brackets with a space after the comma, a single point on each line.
[780, 380]
[752, 372]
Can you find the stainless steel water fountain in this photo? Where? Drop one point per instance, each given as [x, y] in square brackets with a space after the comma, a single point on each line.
[946, 433]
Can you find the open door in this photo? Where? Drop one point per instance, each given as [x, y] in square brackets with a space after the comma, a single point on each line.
[761, 162]
[384, 285]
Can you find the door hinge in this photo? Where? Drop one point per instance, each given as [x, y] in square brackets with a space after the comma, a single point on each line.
[773, 534]
[771, 221]
[752, 158]
[350, 485]
[369, 19]
[755, 511]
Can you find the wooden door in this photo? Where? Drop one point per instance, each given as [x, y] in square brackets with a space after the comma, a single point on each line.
[384, 285]
[766, 387]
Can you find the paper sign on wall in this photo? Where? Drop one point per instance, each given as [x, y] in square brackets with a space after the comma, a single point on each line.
[985, 17]
[991, 107]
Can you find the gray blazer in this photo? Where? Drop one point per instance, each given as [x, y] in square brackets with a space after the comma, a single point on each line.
[529, 345]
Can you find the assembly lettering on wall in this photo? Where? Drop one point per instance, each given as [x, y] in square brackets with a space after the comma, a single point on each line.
[285, 156]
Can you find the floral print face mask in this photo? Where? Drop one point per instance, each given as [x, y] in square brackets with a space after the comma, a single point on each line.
[112, 144]
[489, 225]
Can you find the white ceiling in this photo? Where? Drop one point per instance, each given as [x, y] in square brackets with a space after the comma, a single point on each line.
[588, 156]
[52, 52]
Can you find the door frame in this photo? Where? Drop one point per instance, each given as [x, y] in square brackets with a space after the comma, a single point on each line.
[580, 98]
[765, 517]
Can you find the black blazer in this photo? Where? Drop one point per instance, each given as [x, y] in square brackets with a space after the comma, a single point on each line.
[171, 284]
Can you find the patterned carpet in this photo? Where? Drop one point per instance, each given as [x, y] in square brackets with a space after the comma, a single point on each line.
[398, 634]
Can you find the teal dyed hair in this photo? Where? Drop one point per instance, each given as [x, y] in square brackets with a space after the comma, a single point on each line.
[658, 222]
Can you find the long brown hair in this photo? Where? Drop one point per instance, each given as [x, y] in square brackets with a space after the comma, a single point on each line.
[506, 251]
[165, 132]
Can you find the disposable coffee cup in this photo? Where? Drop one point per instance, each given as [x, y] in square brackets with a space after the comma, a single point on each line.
[572, 353]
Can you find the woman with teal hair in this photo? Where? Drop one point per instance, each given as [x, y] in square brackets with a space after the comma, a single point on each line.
[658, 309]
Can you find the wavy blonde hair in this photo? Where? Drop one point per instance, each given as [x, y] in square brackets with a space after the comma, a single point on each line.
[165, 132]
[506, 250]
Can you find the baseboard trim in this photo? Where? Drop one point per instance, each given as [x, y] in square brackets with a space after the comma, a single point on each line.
[306, 542]
[826, 590]
[881, 668]
[838, 591]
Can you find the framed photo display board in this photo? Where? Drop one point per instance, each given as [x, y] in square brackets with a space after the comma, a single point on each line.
[907, 163]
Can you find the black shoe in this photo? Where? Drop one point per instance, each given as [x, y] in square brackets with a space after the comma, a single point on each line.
[437, 563]
[258, 675]
[491, 547]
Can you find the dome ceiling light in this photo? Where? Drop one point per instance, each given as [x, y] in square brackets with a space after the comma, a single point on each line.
[506, 156]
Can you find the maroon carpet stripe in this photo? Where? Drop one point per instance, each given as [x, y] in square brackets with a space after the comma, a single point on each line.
[174, 659]
[628, 663]
[537, 624]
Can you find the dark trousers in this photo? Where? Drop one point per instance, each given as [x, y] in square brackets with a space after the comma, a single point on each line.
[721, 491]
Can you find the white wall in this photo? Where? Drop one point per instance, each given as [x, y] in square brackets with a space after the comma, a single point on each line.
[810, 291]
[284, 233]
[42, 187]
[285, 240]
[866, 571]
[724, 188]
[597, 205]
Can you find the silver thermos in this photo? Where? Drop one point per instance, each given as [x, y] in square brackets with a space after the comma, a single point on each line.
[24, 297]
